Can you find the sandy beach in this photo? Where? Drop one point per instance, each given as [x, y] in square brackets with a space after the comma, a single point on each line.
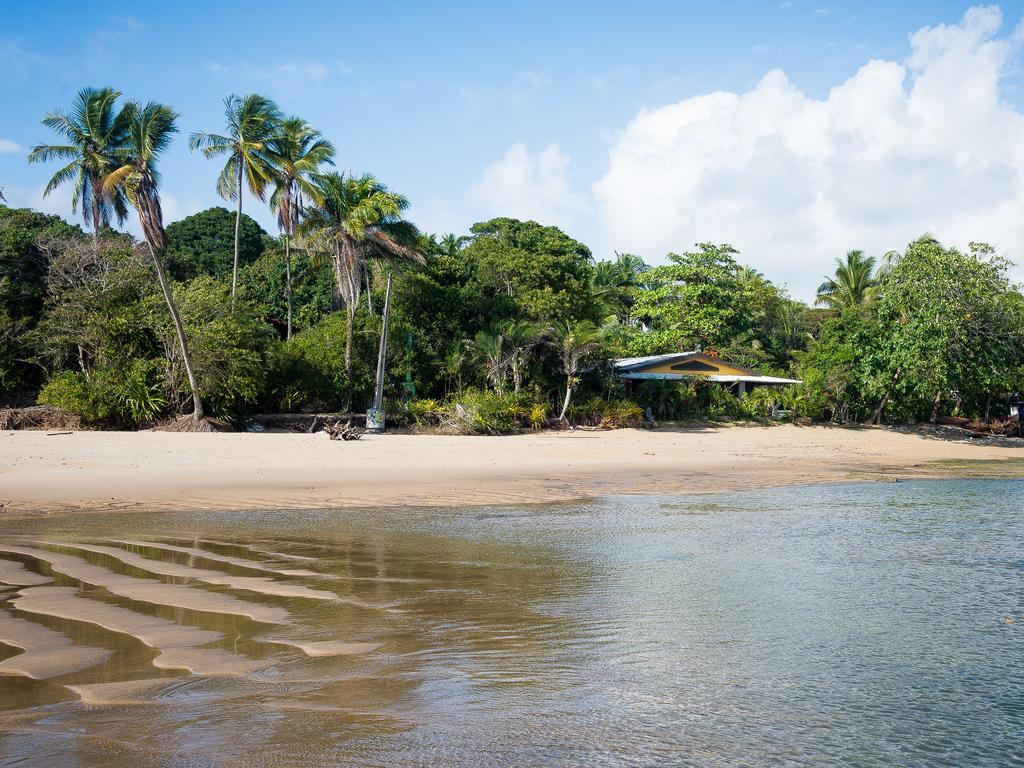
[121, 471]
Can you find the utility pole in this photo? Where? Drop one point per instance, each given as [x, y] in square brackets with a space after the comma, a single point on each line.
[375, 415]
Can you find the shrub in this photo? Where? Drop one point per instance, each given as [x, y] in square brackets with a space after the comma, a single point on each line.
[71, 391]
[138, 396]
[607, 414]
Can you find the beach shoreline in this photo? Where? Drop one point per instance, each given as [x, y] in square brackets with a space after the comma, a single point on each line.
[87, 471]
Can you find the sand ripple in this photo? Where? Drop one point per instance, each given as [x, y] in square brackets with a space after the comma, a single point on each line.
[46, 653]
[17, 575]
[175, 642]
[260, 584]
[150, 591]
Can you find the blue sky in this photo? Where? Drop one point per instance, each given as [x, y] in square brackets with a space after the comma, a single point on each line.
[479, 109]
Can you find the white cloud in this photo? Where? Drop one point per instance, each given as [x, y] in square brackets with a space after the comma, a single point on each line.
[896, 150]
[9, 147]
[528, 186]
[283, 74]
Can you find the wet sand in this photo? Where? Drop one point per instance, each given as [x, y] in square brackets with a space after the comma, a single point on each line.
[122, 471]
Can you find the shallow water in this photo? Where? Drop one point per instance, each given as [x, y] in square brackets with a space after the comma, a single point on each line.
[832, 625]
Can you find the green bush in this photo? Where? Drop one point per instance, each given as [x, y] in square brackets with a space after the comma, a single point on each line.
[112, 397]
[607, 414]
[138, 395]
[71, 391]
[477, 412]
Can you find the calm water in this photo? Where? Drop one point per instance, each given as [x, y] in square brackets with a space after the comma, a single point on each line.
[854, 625]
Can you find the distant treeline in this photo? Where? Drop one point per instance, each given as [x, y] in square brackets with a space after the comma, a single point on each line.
[502, 327]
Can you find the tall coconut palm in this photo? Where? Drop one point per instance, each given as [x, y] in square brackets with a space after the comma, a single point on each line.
[853, 284]
[576, 342]
[356, 220]
[298, 153]
[94, 131]
[253, 122]
[148, 132]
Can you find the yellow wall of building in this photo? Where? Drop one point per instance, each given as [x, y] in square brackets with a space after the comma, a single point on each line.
[723, 369]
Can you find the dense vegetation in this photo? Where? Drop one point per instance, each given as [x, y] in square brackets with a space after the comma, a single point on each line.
[504, 327]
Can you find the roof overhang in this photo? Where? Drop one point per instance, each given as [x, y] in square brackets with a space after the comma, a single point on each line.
[719, 378]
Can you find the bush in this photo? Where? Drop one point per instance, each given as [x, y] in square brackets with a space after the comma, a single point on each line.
[71, 391]
[124, 398]
[308, 373]
[477, 412]
[607, 414]
[760, 402]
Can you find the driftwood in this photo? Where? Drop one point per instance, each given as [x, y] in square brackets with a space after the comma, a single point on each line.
[976, 429]
[339, 431]
[38, 417]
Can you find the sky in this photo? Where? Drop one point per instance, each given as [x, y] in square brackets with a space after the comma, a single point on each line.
[795, 131]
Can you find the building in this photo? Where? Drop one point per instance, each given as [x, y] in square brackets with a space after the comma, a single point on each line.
[681, 365]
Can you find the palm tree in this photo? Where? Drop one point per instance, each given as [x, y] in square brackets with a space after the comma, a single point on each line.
[252, 124]
[853, 284]
[148, 132]
[488, 347]
[576, 342]
[452, 244]
[356, 220]
[94, 132]
[298, 151]
[522, 337]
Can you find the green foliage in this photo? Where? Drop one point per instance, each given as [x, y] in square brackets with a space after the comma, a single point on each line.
[230, 348]
[476, 412]
[308, 373]
[529, 271]
[139, 395]
[23, 270]
[204, 244]
[262, 282]
[71, 391]
[607, 414]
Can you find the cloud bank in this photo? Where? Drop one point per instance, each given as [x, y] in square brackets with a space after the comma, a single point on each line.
[528, 186]
[895, 151]
[899, 149]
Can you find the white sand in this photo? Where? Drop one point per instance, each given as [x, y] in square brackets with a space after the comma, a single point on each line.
[103, 471]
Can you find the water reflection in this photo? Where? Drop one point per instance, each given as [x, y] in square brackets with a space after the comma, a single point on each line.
[863, 624]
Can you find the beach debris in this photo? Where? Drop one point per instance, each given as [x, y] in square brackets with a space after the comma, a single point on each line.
[346, 431]
[188, 424]
[38, 417]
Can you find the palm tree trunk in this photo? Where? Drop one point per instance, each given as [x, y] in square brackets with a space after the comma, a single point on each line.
[568, 397]
[988, 408]
[161, 276]
[238, 222]
[350, 324]
[288, 281]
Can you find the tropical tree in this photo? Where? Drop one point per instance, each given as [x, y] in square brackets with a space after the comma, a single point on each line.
[853, 285]
[148, 132]
[522, 337]
[94, 132]
[488, 349]
[575, 342]
[616, 283]
[253, 122]
[356, 219]
[298, 152]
